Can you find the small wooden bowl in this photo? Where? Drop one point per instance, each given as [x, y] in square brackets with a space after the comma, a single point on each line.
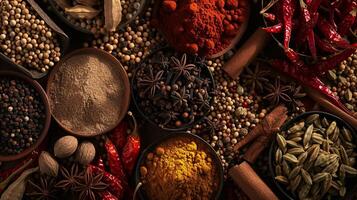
[124, 79]
[61, 36]
[47, 121]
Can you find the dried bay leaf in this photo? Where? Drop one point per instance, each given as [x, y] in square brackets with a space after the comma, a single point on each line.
[112, 14]
[82, 12]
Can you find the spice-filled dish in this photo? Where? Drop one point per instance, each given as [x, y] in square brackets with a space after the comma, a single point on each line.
[24, 115]
[26, 39]
[173, 90]
[89, 92]
[180, 167]
[96, 16]
[204, 27]
[314, 156]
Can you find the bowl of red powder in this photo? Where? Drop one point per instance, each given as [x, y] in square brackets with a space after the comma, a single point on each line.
[204, 27]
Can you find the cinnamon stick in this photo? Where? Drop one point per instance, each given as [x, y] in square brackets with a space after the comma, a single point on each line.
[322, 100]
[257, 148]
[247, 53]
[270, 124]
[247, 179]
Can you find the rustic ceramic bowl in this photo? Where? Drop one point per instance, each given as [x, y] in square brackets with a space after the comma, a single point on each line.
[63, 18]
[136, 99]
[124, 79]
[141, 193]
[47, 121]
[287, 194]
[62, 39]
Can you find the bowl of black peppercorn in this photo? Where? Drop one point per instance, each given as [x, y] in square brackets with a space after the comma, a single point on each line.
[24, 115]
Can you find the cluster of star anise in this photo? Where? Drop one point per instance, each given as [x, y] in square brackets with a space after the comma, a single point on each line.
[271, 87]
[73, 181]
[172, 90]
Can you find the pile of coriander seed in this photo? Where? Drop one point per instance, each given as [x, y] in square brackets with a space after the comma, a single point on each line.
[344, 82]
[25, 38]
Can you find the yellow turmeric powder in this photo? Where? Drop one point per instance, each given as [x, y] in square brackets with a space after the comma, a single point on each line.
[181, 169]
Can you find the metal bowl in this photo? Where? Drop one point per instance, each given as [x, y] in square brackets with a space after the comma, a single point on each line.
[63, 18]
[47, 121]
[124, 105]
[195, 138]
[287, 194]
[136, 99]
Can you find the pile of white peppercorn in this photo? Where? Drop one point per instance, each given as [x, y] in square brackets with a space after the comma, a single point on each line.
[25, 38]
[132, 44]
[344, 82]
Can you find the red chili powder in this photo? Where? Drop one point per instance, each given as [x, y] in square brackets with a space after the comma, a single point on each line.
[203, 27]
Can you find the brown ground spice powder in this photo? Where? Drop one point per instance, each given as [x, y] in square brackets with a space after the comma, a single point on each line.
[86, 93]
[179, 169]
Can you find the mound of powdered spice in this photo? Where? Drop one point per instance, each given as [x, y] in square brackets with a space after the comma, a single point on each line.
[180, 168]
[205, 27]
[85, 94]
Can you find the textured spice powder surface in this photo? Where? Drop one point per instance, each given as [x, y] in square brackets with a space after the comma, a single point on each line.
[181, 169]
[85, 94]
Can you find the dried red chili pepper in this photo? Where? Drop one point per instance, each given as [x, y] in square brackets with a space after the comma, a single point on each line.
[269, 16]
[100, 163]
[288, 12]
[119, 135]
[115, 185]
[307, 79]
[331, 34]
[312, 44]
[114, 161]
[331, 62]
[304, 23]
[131, 149]
[314, 6]
[106, 195]
[347, 22]
[324, 45]
[274, 29]
[294, 57]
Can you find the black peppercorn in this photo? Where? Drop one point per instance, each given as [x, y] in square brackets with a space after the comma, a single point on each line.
[22, 115]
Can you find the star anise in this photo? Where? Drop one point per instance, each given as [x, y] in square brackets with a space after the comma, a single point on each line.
[180, 98]
[70, 178]
[278, 92]
[181, 67]
[169, 116]
[44, 190]
[297, 94]
[89, 185]
[202, 102]
[256, 78]
[151, 82]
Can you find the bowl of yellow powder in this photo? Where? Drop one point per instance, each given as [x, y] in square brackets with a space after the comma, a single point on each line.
[181, 166]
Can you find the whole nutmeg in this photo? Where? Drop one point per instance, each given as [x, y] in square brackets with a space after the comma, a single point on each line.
[85, 153]
[47, 164]
[65, 146]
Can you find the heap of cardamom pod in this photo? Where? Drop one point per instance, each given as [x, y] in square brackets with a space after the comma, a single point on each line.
[314, 157]
[90, 9]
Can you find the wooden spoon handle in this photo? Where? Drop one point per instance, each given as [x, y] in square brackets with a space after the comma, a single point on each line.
[318, 97]
[247, 53]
